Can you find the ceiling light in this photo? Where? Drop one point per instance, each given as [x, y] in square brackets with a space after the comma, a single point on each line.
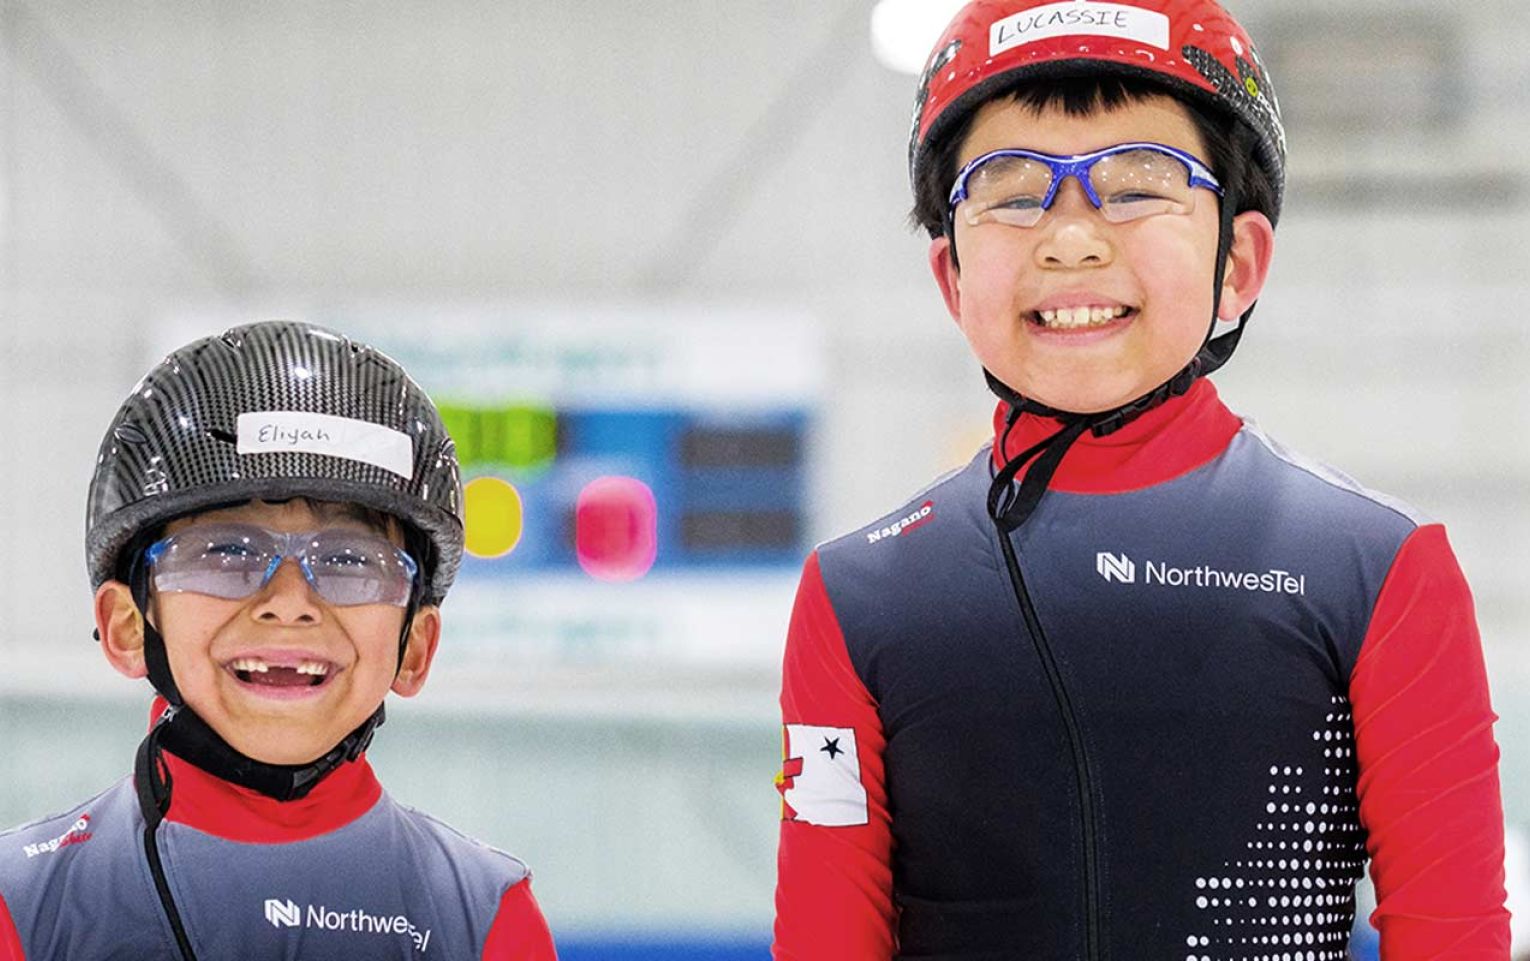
[903, 32]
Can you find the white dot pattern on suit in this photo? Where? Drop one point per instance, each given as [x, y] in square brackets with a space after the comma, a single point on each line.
[1290, 894]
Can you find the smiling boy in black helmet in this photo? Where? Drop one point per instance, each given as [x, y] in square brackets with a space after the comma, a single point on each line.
[274, 520]
[1137, 682]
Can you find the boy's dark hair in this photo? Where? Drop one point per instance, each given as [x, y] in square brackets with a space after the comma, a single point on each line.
[1080, 97]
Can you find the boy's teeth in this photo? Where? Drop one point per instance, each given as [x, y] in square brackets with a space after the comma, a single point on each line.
[254, 665]
[1080, 317]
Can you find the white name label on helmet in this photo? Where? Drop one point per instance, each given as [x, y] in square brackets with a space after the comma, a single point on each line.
[276, 431]
[1079, 18]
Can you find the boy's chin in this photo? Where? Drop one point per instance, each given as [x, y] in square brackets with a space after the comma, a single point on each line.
[284, 743]
[286, 754]
[1075, 401]
[1088, 392]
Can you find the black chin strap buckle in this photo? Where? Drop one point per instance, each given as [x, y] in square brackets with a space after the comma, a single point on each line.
[1177, 386]
[357, 742]
[151, 777]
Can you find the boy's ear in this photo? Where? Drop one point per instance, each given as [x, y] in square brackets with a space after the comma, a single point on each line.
[946, 275]
[120, 626]
[419, 652]
[1248, 263]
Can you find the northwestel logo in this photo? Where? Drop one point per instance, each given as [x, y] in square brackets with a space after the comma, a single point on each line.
[283, 914]
[1123, 570]
[1114, 567]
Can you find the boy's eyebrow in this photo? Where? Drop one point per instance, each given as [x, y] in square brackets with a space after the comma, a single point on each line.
[344, 510]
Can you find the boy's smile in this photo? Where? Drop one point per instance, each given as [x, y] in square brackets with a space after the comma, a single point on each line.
[1080, 315]
[282, 675]
[1077, 312]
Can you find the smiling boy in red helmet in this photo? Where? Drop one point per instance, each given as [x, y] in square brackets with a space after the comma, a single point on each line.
[1140, 683]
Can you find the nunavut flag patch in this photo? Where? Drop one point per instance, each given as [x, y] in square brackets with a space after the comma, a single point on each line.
[820, 779]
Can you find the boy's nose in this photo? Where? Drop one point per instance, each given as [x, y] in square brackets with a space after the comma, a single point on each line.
[287, 597]
[1074, 233]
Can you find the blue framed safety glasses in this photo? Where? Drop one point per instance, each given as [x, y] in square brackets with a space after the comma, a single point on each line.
[234, 561]
[1126, 182]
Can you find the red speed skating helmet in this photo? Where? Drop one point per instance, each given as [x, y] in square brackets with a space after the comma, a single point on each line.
[1193, 47]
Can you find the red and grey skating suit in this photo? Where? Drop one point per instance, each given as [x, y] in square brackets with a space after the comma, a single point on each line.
[1254, 675]
[344, 873]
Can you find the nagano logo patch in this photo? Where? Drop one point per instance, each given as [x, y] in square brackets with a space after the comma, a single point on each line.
[921, 516]
[78, 833]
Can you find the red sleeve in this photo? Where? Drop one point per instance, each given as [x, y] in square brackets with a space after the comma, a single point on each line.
[834, 870]
[519, 932]
[1428, 783]
[10, 939]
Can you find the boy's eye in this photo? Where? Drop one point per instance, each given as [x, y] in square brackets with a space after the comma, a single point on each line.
[354, 560]
[350, 555]
[229, 550]
[1134, 197]
[1020, 209]
[1022, 202]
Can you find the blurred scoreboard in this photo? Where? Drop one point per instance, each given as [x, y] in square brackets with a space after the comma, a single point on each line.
[617, 492]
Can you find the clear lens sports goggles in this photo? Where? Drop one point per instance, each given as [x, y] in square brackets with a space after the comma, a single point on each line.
[1126, 182]
[234, 561]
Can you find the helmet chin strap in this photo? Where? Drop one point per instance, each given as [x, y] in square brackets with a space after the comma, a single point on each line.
[1008, 507]
[186, 735]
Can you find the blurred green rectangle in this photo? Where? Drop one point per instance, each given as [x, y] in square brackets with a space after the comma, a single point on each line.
[519, 437]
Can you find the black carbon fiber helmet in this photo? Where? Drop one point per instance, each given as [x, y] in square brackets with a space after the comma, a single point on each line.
[272, 411]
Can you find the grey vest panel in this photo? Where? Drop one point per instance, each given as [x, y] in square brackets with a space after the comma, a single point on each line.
[394, 883]
[78, 884]
[1204, 631]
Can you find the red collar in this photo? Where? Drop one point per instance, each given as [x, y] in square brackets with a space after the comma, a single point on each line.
[1172, 439]
[213, 805]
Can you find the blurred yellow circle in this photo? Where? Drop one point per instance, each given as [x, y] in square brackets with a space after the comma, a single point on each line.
[493, 516]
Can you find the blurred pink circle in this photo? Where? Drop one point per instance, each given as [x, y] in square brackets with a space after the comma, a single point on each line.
[616, 528]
